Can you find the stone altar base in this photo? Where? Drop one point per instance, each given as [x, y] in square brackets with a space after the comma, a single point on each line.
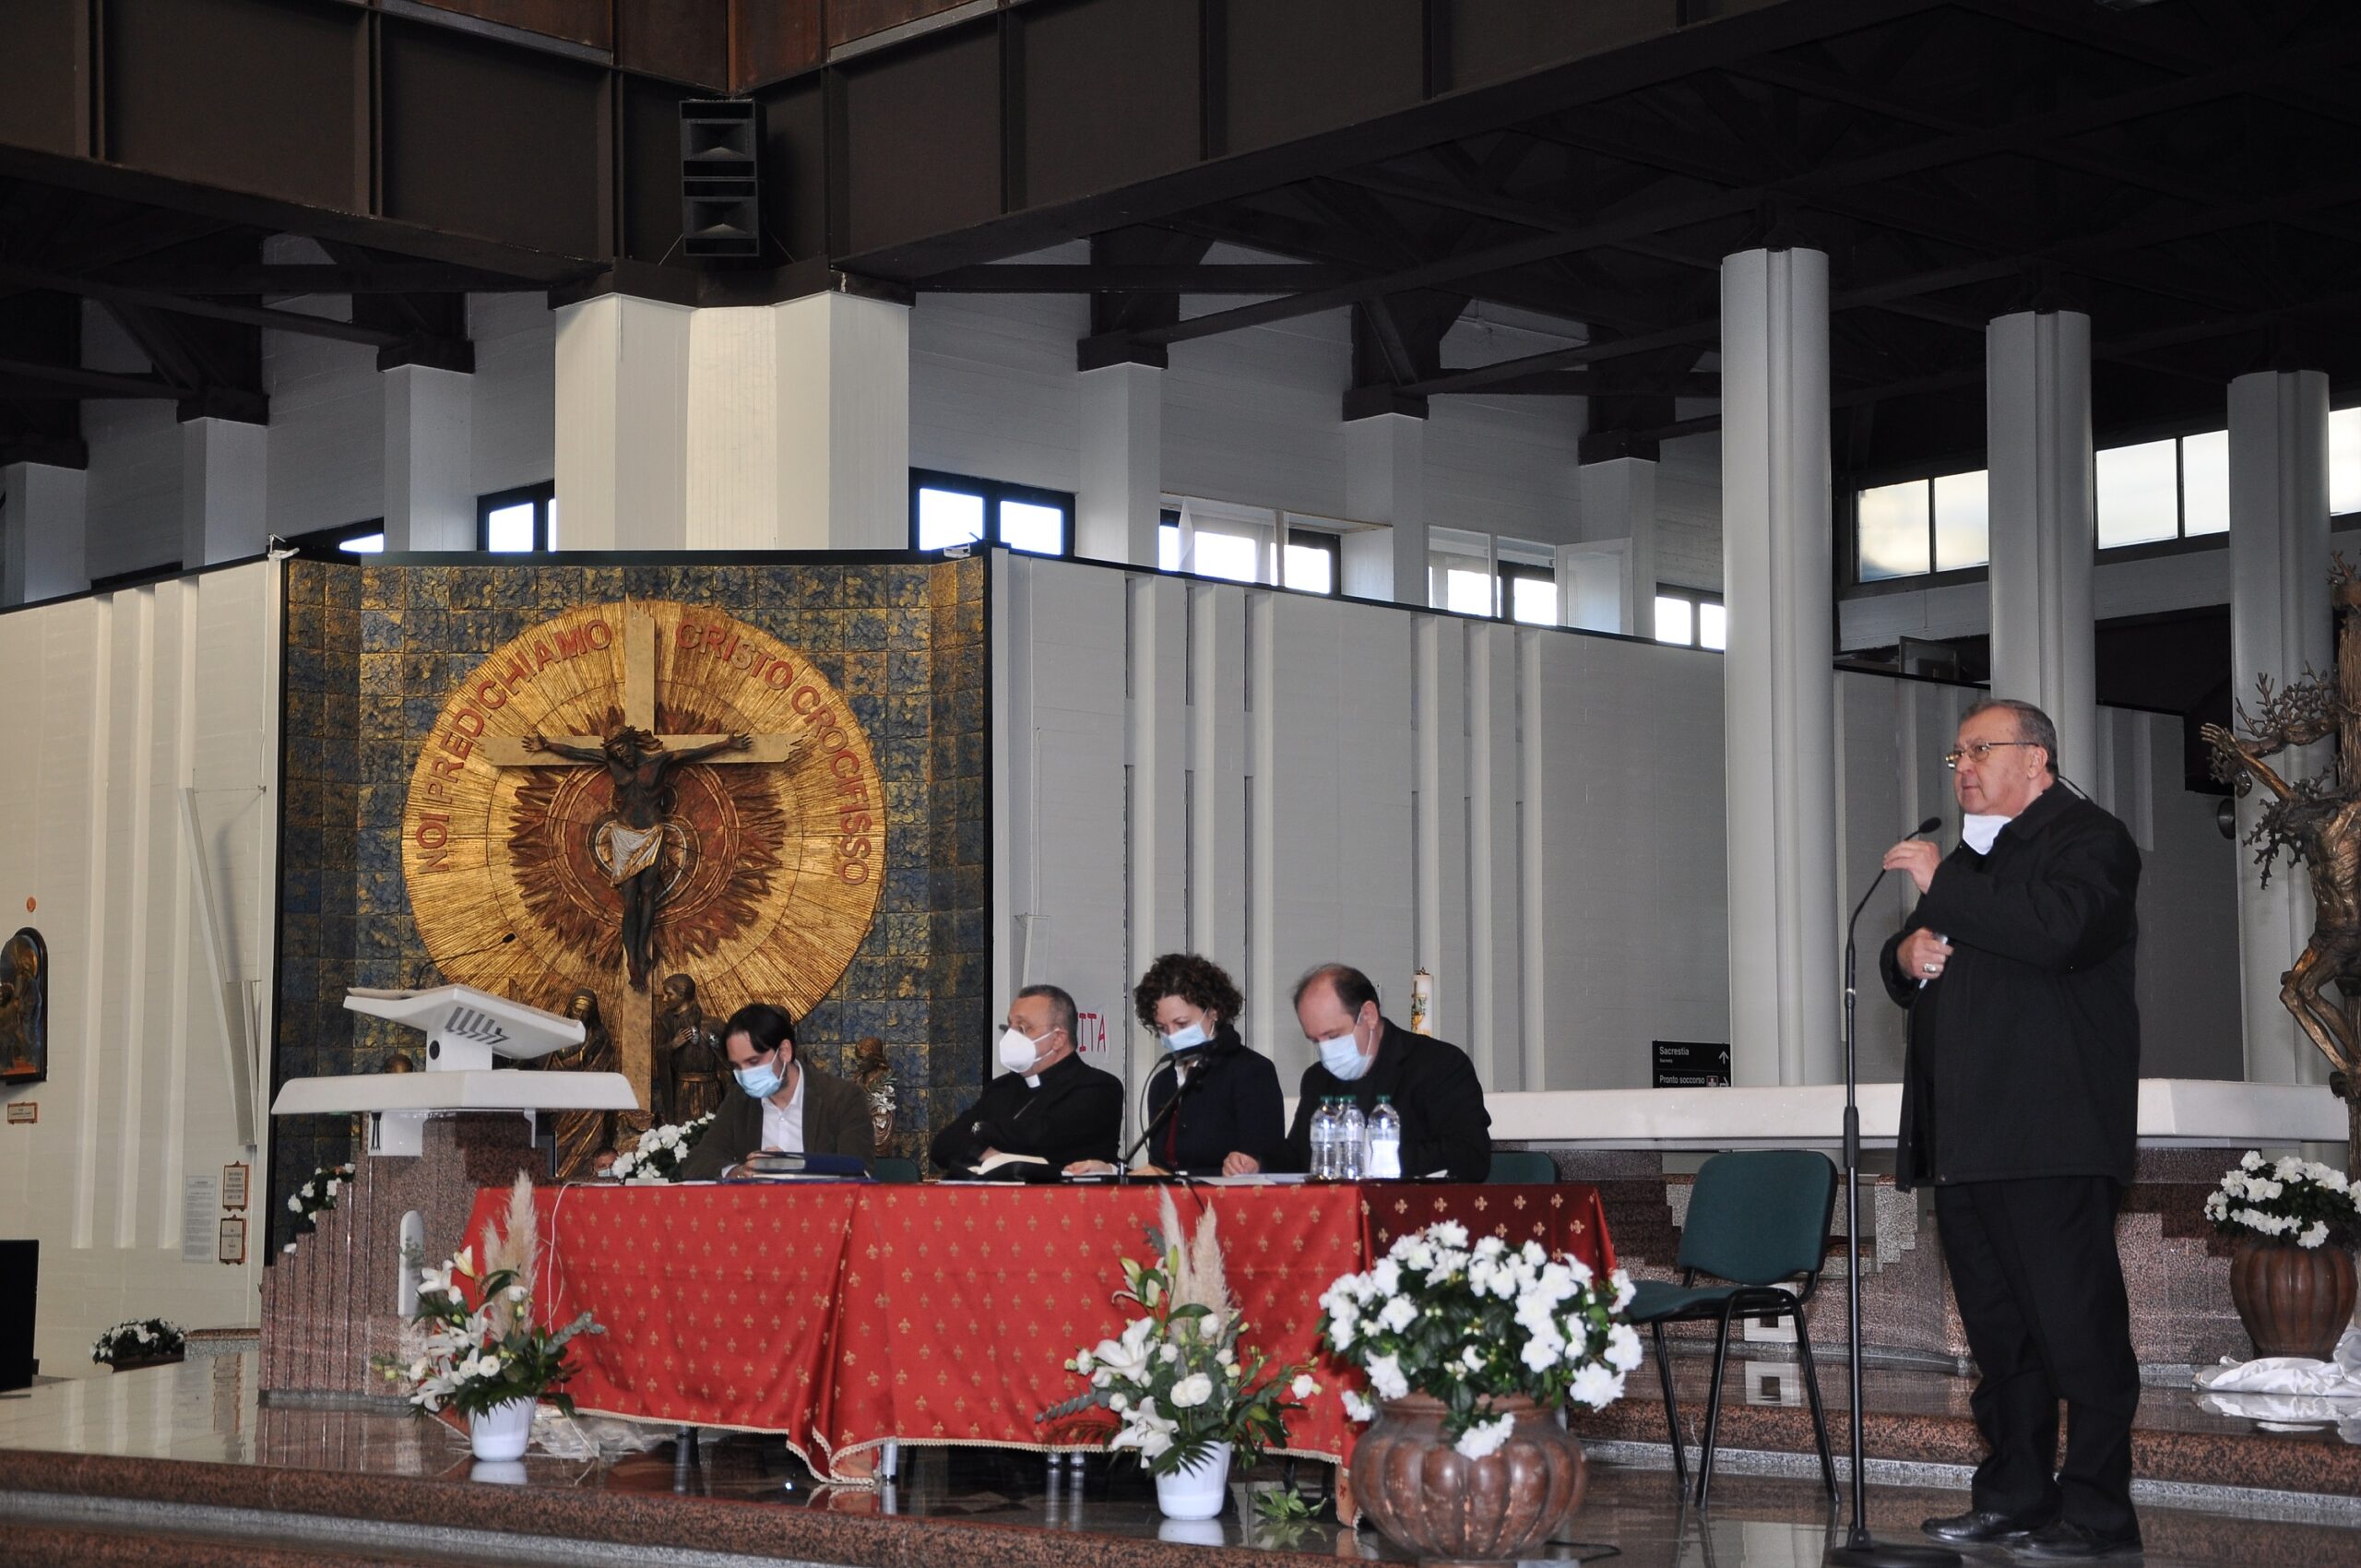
[332, 1304]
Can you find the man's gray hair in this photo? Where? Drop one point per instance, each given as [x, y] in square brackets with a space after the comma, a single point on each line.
[1061, 1013]
[2033, 725]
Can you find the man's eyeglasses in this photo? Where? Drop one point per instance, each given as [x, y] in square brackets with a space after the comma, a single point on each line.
[1977, 752]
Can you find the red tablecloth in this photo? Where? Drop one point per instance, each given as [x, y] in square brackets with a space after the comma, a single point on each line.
[843, 1316]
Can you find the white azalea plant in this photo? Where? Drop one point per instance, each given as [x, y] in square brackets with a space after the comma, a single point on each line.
[2297, 1200]
[661, 1151]
[316, 1197]
[1472, 1324]
[146, 1339]
[473, 1344]
[1177, 1380]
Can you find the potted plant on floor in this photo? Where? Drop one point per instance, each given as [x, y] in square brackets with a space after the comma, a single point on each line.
[473, 1346]
[1186, 1396]
[2291, 1270]
[1470, 1349]
[148, 1342]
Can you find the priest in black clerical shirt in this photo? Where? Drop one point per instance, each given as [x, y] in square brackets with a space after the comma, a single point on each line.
[1050, 1103]
[1364, 1055]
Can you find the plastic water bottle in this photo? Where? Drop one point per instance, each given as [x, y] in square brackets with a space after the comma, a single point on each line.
[1348, 1143]
[1383, 1161]
[1323, 1141]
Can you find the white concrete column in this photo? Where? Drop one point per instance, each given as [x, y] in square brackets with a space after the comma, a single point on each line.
[1120, 501]
[2280, 626]
[43, 532]
[224, 476]
[1615, 527]
[1385, 482]
[2037, 433]
[844, 422]
[622, 423]
[429, 458]
[1779, 691]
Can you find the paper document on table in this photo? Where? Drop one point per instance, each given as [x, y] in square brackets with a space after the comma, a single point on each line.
[1260, 1179]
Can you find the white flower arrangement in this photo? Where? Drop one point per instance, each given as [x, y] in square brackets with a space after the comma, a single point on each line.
[1176, 1379]
[1469, 1323]
[316, 1197]
[2291, 1199]
[661, 1151]
[144, 1339]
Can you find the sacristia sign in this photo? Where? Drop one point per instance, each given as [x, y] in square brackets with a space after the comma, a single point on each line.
[654, 752]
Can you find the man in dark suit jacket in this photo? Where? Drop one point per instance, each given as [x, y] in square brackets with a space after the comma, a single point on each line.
[1050, 1103]
[1432, 1085]
[2020, 1108]
[777, 1101]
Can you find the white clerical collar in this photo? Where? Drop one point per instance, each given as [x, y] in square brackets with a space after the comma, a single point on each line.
[1980, 831]
[1032, 1080]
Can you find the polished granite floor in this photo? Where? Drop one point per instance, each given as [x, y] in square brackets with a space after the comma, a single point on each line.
[208, 1411]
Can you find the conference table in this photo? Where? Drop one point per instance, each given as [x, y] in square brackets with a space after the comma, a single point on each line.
[842, 1316]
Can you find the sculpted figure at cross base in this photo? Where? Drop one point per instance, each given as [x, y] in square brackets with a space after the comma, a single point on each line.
[2315, 822]
[688, 1055]
[630, 844]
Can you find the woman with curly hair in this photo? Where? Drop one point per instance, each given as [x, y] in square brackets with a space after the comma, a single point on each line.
[1230, 1117]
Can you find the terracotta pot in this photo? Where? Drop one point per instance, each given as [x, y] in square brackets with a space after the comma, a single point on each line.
[2293, 1301]
[1431, 1500]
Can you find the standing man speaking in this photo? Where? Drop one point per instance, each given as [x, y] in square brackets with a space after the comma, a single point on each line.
[2019, 1103]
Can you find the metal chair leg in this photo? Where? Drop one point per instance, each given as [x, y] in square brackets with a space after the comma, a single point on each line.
[1714, 1406]
[1811, 1391]
[1671, 1414]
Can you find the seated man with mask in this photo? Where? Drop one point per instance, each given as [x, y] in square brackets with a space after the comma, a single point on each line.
[1050, 1104]
[1363, 1055]
[777, 1101]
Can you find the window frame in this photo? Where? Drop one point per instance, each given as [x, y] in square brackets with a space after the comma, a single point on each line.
[543, 497]
[992, 492]
[325, 544]
[1505, 593]
[1330, 544]
[1696, 599]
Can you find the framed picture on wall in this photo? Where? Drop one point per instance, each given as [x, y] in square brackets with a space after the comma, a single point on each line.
[233, 1184]
[232, 1248]
[24, 1008]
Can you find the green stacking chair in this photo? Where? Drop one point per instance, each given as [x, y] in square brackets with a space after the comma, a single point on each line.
[1522, 1166]
[894, 1168]
[1758, 1219]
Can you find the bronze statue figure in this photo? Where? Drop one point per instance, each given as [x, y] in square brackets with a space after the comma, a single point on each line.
[2317, 822]
[875, 1076]
[688, 1062]
[629, 843]
[584, 1136]
[24, 1008]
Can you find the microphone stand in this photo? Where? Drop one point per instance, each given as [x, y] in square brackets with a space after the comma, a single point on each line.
[1123, 1166]
[1862, 1550]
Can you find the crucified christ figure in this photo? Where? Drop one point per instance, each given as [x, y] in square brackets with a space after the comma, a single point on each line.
[630, 843]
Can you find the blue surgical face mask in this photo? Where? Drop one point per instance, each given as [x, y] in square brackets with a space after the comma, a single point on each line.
[1341, 1054]
[1187, 1038]
[763, 1079]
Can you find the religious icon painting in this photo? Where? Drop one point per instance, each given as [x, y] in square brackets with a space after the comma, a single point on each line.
[24, 1008]
[643, 784]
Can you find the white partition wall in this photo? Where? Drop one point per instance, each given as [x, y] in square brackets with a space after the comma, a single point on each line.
[1536, 816]
[119, 703]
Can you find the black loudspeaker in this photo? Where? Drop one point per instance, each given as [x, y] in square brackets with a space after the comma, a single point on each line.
[19, 1275]
[720, 188]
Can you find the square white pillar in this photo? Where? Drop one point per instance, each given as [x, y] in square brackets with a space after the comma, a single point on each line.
[844, 423]
[2280, 625]
[224, 478]
[1616, 524]
[1385, 482]
[1779, 687]
[622, 423]
[429, 458]
[43, 532]
[2037, 430]
[1120, 501]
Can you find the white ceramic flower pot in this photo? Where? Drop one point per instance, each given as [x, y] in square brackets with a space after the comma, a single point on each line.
[503, 1431]
[1196, 1491]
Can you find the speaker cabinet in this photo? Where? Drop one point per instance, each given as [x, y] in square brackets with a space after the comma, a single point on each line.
[720, 184]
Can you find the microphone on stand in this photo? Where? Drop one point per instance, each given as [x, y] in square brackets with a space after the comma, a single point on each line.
[1860, 1548]
[1123, 1166]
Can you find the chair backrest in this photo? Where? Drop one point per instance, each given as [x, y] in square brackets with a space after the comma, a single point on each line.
[1759, 1216]
[894, 1168]
[1522, 1166]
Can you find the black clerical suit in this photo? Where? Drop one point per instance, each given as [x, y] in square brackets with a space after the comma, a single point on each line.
[1076, 1113]
[2019, 1098]
[1230, 1100]
[1432, 1085]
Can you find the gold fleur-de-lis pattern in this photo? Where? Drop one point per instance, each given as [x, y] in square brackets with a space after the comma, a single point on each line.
[839, 1317]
